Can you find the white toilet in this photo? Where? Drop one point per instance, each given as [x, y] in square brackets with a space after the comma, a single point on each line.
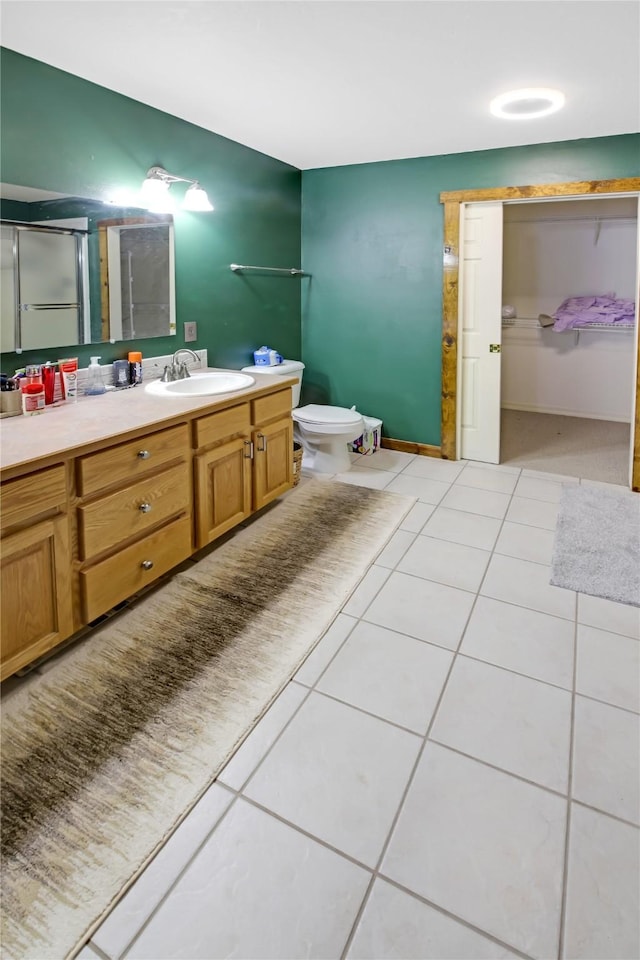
[323, 431]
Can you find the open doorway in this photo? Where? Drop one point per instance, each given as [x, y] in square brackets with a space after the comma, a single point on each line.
[566, 387]
[453, 399]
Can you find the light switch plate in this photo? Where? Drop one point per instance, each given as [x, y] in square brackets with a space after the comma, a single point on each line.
[190, 331]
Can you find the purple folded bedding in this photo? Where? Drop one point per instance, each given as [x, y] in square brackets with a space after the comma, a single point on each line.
[583, 311]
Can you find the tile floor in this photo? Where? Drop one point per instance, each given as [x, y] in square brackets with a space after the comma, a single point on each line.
[452, 773]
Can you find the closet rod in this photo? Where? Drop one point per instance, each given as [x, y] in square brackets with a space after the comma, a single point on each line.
[292, 271]
[594, 219]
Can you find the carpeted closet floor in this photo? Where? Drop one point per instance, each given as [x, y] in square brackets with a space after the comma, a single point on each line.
[574, 446]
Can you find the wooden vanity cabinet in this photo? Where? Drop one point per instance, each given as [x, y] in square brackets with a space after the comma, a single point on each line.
[134, 516]
[244, 460]
[273, 447]
[36, 610]
[83, 532]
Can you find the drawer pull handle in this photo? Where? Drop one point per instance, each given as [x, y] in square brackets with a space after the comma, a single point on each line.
[143, 454]
[144, 507]
[262, 442]
[248, 446]
[147, 564]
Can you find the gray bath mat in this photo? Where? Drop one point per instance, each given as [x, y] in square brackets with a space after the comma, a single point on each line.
[597, 544]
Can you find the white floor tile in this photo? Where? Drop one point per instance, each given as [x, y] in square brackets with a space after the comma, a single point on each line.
[396, 926]
[521, 725]
[429, 491]
[431, 468]
[527, 585]
[481, 479]
[488, 503]
[445, 562]
[606, 759]
[365, 477]
[130, 914]
[609, 615]
[525, 542]
[422, 609]
[533, 513]
[388, 674]
[87, 953]
[468, 528]
[395, 549]
[417, 517]
[325, 650]
[257, 889]
[339, 774]
[520, 639]
[608, 667]
[536, 488]
[603, 889]
[365, 592]
[266, 731]
[391, 460]
[485, 846]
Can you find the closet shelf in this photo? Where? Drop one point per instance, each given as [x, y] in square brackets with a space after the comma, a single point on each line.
[531, 323]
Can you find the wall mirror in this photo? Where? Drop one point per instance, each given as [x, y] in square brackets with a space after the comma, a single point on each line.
[76, 271]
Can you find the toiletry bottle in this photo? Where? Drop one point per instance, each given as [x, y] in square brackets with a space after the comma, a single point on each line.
[49, 381]
[135, 367]
[95, 383]
[121, 373]
[32, 389]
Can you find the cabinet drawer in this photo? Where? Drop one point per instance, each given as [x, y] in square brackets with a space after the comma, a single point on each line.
[110, 581]
[222, 425]
[116, 517]
[127, 461]
[32, 496]
[271, 407]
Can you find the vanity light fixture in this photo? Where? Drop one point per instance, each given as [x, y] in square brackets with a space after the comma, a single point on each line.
[527, 104]
[156, 196]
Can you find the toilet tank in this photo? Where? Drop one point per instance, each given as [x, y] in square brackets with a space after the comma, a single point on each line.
[288, 368]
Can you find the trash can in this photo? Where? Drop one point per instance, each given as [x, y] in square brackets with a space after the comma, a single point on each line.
[369, 442]
[297, 463]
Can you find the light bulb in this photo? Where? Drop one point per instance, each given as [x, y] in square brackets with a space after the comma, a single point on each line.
[196, 199]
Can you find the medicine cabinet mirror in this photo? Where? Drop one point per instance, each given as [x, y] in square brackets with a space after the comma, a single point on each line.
[73, 271]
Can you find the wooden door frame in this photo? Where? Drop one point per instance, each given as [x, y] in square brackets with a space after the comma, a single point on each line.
[451, 200]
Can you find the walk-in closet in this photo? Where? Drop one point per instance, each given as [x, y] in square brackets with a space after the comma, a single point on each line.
[568, 335]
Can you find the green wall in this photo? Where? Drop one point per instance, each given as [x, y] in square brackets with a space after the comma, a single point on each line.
[372, 240]
[62, 133]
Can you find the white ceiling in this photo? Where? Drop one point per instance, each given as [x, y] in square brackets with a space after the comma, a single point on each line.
[328, 82]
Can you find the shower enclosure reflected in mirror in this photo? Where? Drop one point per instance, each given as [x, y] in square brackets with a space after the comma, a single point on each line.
[137, 278]
[72, 273]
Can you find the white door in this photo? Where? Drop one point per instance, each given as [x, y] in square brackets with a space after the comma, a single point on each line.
[480, 334]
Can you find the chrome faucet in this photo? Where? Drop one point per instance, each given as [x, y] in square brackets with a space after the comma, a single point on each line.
[178, 370]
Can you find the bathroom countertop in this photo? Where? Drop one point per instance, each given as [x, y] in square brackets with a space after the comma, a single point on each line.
[66, 427]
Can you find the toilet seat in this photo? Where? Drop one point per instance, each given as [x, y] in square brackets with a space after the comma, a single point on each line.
[328, 420]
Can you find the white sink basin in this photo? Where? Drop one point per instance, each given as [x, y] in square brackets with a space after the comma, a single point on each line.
[201, 384]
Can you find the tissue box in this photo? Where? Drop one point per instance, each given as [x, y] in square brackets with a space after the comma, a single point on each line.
[369, 442]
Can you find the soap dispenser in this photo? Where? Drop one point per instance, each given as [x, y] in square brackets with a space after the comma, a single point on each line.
[95, 384]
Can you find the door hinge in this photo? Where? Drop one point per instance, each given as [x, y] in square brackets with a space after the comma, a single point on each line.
[494, 348]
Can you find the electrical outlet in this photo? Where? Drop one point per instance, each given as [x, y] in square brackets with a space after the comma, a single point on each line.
[190, 331]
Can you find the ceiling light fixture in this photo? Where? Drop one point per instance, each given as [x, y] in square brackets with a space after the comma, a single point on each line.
[156, 196]
[527, 104]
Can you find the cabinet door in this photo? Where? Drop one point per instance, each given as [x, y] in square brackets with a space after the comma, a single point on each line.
[223, 489]
[273, 463]
[36, 592]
